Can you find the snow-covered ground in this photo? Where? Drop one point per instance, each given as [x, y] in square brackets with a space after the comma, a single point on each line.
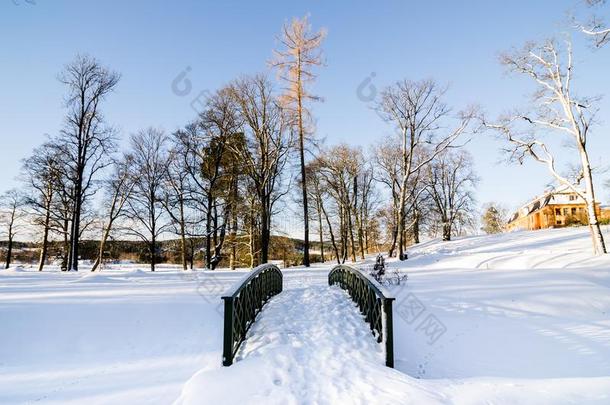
[514, 318]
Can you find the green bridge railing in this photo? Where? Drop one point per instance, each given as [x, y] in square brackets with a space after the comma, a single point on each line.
[243, 302]
[374, 303]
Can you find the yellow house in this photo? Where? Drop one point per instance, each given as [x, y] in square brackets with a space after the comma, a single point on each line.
[605, 210]
[554, 209]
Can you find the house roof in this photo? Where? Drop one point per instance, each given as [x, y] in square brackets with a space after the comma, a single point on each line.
[540, 202]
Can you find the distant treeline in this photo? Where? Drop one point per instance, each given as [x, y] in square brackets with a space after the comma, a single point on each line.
[288, 250]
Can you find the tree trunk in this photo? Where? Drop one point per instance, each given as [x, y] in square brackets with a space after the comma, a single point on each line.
[233, 235]
[302, 160]
[252, 242]
[332, 235]
[446, 230]
[233, 256]
[321, 230]
[9, 251]
[599, 245]
[365, 228]
[358, 219]
[265, 231]
[416, 227]
[403, 196]
[152, 249]
[215, 225]
[45, 239]
[342, 234]
[75, 229]
[220, 239]
[100, 254]
[183, 236]
[208, 232]
[351, 234]
[395, 225]
[66, 248]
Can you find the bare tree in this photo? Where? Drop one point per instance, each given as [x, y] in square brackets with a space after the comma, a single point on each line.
[558, 113]
[317, 174]
[388, 158]
[49, 181]
[450, 180]
[42, 173]
[88, 141]
[144, 206]
[118, 189]
[208, 149]
[416, 109]
[11, 213]
[340, 168]
[389, 162]
[265, 150]
[295, 62]
[176, 199]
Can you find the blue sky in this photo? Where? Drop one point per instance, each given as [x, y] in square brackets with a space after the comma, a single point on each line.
[151, 42]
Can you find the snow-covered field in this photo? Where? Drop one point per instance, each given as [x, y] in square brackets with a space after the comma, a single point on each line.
[515, 318]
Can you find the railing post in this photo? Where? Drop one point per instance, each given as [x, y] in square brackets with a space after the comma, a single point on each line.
[389, 332]
[227, 350]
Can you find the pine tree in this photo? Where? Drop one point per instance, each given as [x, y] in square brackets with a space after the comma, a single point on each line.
[493, 219]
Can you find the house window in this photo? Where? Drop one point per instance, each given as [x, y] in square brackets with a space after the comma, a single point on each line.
[572, 197]
[558, 222]
[566, 212]
[557, 211]
[573, 211]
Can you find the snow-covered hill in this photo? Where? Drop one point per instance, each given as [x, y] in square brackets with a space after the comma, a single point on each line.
[514, 318]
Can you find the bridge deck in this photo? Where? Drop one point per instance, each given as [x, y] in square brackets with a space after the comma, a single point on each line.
[309, 345]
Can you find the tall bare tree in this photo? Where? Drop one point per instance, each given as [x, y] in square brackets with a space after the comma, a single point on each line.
[266, 148]
[207, 147]
[88, 141]
[118, 189]
[417, 111]
[299, 55]
[144, 206]
[11, 213]
[340, 168]
[557, 113]
[176, 199]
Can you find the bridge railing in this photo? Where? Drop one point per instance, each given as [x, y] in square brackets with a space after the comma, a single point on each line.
[243, 302]
[374, 303]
